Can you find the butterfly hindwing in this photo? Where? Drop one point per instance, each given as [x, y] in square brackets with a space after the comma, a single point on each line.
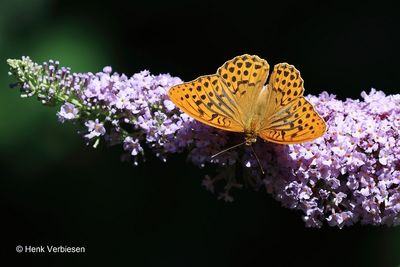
[300, 123]
[290, 117]
[208, 100]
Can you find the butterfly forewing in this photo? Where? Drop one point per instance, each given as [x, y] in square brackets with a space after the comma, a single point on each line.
[224, 100]
[245, 76]
[208, 100]
[290, 118]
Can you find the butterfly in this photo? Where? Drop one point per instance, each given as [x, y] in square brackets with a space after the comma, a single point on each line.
[237, 99]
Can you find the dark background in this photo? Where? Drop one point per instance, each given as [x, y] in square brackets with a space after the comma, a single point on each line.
[56, 191]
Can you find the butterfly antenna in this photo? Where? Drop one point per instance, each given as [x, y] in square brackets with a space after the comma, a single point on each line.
[259, 163]
[225, 150]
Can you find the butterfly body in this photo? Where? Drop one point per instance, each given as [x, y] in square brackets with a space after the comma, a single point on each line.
[250, 138]
[253, 122]
[237, 99]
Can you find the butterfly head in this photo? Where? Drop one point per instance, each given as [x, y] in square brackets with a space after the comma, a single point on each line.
[250, 138]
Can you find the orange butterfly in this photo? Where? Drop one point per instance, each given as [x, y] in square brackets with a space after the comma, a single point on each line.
[236, 99]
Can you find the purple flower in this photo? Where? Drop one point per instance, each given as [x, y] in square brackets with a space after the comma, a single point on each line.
[107, 69]
[132, 146]
[169, 105]
[67, 112]
[94, 128]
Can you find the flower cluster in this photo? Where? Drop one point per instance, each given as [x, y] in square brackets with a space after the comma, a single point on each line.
[350, 175]
[131, 111]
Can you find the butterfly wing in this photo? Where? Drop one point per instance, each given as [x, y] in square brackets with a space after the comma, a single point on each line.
[207, 100]
[245, 76]
[290, 118]
[223, 100]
